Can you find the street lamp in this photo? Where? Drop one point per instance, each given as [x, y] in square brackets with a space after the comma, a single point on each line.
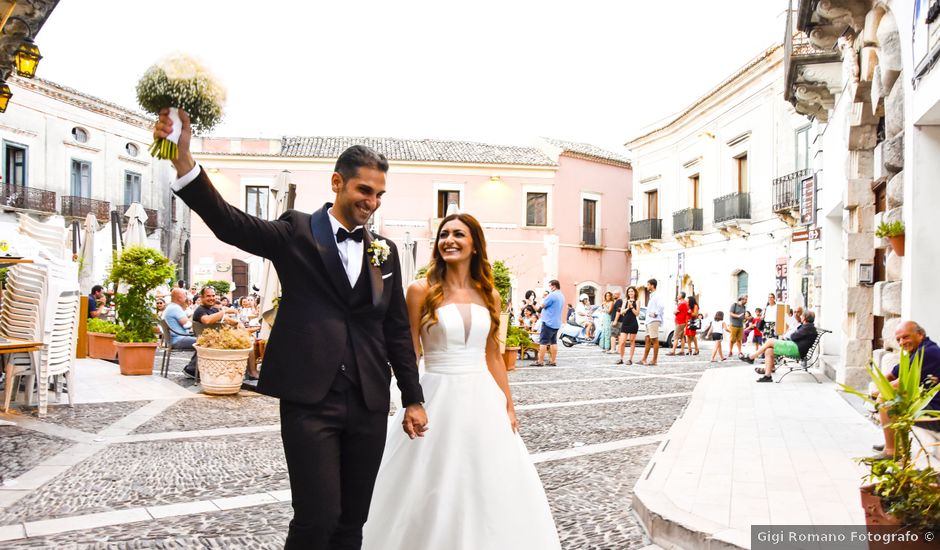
[27, 58]
[5, 95]
[27, 55]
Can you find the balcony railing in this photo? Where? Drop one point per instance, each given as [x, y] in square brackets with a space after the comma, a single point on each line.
[79, 207]
[786, 190]
[152, 218]
[646, 230]
[736, 206]
[690, 219]
[798, 50]
[27, 198]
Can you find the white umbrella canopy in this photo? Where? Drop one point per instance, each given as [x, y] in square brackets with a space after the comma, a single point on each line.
[136, 234]
[270, 284]
[87, 255]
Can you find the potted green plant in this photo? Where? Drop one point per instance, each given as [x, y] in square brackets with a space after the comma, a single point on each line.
[139, 270]
[517, 338]
[503, 284]
[222, 358]
[222, 288]
[898, 492]
[101, 336]
[894, 232]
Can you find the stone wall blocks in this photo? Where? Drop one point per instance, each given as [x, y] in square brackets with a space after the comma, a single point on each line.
[895, 190]
[858, 301]
[857, 353]
[894, 112]
[894, 215]
[888, 361]
[887, 334]
[864, 216]
[862, 115]
[891, 298]
[876, 356]
[859, 164]
[889, 42]
[893, 266]
[858, 246]
[878, 291]
[863, 137]
[857, 192]
[893, 153]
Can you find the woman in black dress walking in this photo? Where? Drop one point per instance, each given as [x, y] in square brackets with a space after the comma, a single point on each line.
[629, 325]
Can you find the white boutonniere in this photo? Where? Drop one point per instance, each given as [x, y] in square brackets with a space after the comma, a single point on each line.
[379, 250]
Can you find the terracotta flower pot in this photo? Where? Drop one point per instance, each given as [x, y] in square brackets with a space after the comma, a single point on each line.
[101, 346]
[136, 358]
[221, 371]
[874, 513]
[897, 244]
[509, 358]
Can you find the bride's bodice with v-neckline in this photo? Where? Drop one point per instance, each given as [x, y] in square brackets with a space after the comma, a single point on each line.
[456, 344]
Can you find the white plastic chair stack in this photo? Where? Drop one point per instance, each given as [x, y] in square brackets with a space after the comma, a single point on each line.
[50, 235]
[39, 306]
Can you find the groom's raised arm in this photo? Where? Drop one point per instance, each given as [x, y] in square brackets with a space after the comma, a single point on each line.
[398, 343]
[231, 225]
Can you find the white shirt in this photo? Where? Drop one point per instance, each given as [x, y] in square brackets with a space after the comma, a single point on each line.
[654, 309]
[350, 251]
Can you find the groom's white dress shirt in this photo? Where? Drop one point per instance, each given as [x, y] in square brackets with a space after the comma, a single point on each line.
[350, 251]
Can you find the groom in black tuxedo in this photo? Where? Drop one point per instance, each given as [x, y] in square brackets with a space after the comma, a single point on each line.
[341, 323]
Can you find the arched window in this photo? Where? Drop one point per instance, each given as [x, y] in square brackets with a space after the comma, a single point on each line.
[80, 134]
[740, 281]
[591, 292]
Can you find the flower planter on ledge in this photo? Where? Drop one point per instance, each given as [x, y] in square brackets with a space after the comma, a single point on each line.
[221, 371]
[897, 244]
[136, 358]
[101, 346]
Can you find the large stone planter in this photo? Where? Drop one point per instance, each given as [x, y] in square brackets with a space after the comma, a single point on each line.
[101, 346]
[221, 371]
[136, 358]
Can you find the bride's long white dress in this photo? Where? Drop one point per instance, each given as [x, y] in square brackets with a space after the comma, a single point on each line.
[469, 483]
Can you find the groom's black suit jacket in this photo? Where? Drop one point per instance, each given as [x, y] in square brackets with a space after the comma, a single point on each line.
[315, 315]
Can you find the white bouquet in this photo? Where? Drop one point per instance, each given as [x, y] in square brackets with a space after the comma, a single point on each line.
[180, 82]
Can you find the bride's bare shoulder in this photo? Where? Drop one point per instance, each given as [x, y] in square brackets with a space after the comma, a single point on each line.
[417, 290]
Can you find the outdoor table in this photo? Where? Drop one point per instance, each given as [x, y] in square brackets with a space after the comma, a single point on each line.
[13, 345]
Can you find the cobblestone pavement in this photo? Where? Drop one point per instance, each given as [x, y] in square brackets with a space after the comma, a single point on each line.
[225, 447]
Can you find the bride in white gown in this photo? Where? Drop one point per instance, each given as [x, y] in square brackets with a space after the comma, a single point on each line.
[468, 483]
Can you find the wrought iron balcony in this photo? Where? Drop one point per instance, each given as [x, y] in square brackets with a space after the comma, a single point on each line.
[152, 217]
[684, 221]
[646, 230]
[27, 198]
[786, 191]
[79, 207]
[735, 206]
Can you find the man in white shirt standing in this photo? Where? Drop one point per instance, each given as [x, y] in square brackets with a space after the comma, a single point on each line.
[654, 321]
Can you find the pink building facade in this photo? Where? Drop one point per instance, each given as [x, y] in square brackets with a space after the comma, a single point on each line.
[558, 210]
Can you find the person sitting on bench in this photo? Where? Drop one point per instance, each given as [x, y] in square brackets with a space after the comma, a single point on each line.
[913, 339]
[796, 347]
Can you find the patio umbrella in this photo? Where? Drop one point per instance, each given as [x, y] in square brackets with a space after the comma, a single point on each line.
[87, 255]
[408, 261]
[270, 284]
[136, 234]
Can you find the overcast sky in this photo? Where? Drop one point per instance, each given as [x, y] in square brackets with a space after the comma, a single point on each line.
[495, 71]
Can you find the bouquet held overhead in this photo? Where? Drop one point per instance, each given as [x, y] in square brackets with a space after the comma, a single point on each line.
[179, 82]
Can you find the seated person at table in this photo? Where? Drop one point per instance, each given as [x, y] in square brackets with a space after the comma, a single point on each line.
[180, 336]
[913, 339]
[96, 297]
[796, 347]
[213, 316]
[210, 313]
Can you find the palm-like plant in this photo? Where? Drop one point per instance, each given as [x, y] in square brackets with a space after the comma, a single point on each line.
[909, 493]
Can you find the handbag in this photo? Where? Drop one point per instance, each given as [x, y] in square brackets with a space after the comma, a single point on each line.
[695, 324]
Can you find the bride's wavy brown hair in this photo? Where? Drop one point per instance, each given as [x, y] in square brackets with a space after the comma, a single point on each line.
[481, 273]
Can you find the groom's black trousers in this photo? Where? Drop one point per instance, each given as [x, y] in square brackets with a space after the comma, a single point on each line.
[333, 451]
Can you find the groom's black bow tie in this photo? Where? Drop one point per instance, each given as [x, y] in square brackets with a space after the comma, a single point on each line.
[355, 234]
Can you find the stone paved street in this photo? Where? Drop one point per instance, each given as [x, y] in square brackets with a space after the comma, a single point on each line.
[209, 472]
